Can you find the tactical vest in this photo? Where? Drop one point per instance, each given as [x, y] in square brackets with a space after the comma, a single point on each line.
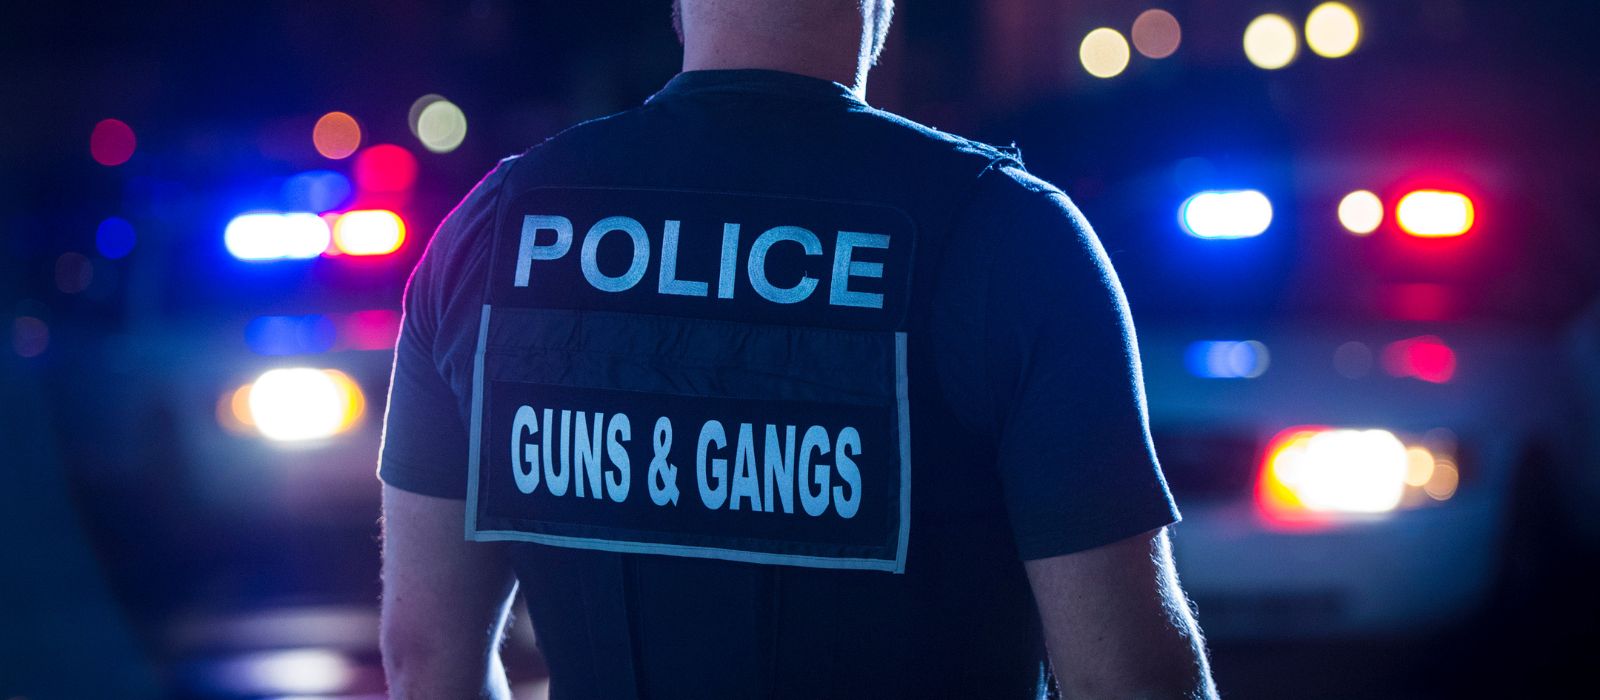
[705, 407]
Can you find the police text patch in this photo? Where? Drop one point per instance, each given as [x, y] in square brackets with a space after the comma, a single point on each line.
[695, 374]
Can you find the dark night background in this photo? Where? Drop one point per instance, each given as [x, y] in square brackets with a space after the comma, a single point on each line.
[154, 549]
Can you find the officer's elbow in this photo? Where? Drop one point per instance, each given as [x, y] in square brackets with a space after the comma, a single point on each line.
[408, 657]
[1177, 682]
[1174, 668]
[419, 665]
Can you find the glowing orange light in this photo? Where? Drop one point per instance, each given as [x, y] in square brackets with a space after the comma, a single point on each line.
[1313, 472]
[336, 135]
[1272, 493]
[239, 404]
[1435, 214]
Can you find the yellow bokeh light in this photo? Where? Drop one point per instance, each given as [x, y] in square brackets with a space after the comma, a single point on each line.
[1333, 30]
[1270, 42]
[1419, 466]
[1444, 482]
[336, 135]
[1104, 53]
[1361, 212]
[441, 126]
[1156, 33]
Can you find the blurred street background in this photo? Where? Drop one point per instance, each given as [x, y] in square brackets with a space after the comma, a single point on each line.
[1361, 243]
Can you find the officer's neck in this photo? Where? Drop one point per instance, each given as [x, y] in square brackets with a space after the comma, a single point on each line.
[840, 57]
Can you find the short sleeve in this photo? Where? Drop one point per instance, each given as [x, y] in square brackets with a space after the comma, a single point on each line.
[424, 435]
[1061, 391]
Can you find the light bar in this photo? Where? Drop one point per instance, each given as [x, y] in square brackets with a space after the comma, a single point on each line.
[1226, 214]
[368, 232]
[1426, 357]
[1320, 471]
[299, 403]
[290, 335]
[1435, 214]
[1227, 359]
[265, 236]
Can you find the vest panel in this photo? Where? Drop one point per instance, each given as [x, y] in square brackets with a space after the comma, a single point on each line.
[705, 412]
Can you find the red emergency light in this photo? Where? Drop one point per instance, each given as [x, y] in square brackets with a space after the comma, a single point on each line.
[1435, 213]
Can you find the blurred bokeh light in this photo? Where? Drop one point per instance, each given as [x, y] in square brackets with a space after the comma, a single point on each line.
[300, 403]
[114, 238]
[440, 125]
[112, 142]
[1104, 53]
[1226, 214]
[276, 236]
[29, 336]
[1270, 42]
[336, 135]
[385, 168]
[1425, 357]
[1228, 359]
[1156, 33]
[1361, 212]
[316, 190]
[1312, 472]
[1333, 30]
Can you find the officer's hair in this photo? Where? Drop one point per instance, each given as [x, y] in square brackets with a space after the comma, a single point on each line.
[789, 15]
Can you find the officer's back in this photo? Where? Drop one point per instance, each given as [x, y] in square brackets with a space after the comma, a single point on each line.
[766, 150]
[771, 394]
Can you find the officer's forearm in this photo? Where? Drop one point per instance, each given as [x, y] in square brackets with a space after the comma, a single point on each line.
[1118, 625]
[445, 602]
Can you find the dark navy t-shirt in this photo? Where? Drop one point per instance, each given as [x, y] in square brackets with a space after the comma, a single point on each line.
[1030, 334]
[773, 394]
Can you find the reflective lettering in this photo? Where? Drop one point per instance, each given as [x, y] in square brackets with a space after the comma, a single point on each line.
[713, 497]
[618, 431]
[816, 439]
[525, 420]
[670, 284]
[586, 459]
[757, 267]
[591, 247]
[839, 293]
[730, 259]
[744, 471]
[557, 483]
[845, 450]
[529, 250]
[779, 457]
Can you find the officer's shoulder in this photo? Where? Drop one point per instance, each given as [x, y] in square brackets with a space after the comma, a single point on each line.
[917, 134]
[573, 138]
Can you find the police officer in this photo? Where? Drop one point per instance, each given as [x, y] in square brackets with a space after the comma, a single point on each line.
[758, 391]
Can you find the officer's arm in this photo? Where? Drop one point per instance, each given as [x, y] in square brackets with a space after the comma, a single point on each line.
[445, 601]
[1118, 625]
